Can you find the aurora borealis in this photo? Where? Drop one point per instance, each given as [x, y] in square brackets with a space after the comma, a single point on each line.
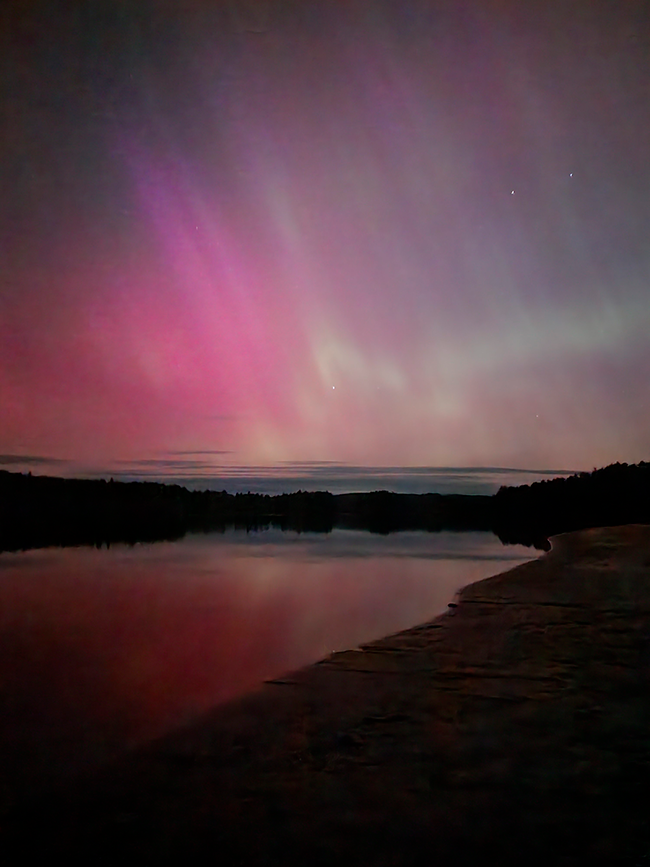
[378, 234]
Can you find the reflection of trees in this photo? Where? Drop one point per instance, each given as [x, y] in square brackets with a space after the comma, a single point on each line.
[36, 511]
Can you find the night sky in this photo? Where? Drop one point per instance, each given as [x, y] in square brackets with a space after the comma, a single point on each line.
[275, 235]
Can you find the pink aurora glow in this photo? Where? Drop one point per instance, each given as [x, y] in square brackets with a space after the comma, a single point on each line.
[303, 244]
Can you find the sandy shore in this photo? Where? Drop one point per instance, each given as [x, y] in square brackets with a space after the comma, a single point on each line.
[514, 727]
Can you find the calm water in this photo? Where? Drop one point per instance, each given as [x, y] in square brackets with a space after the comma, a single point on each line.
[104, 649]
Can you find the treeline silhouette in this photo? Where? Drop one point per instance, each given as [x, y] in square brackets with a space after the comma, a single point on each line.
[41, 511]
[612, 495]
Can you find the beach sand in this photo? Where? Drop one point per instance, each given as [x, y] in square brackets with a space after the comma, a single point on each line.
[513, 729]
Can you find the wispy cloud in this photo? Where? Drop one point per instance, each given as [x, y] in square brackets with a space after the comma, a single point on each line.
[202, 452]
[311, 464]
[165, 465]
[29, 460]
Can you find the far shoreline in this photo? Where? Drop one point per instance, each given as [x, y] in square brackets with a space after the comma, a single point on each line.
[41, 511]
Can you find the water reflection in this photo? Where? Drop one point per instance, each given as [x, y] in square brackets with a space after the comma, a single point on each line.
[102, 649]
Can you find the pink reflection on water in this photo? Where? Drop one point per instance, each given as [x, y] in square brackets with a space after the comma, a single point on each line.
[101, 650]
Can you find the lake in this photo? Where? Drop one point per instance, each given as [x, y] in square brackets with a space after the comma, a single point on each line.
[101, 650]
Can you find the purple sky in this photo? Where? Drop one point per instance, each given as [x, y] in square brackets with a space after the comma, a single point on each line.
[259, 236]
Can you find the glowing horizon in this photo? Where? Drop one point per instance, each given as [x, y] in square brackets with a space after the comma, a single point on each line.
[199, 474]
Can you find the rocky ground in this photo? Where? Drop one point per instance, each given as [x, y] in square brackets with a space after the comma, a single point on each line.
[515, 729]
